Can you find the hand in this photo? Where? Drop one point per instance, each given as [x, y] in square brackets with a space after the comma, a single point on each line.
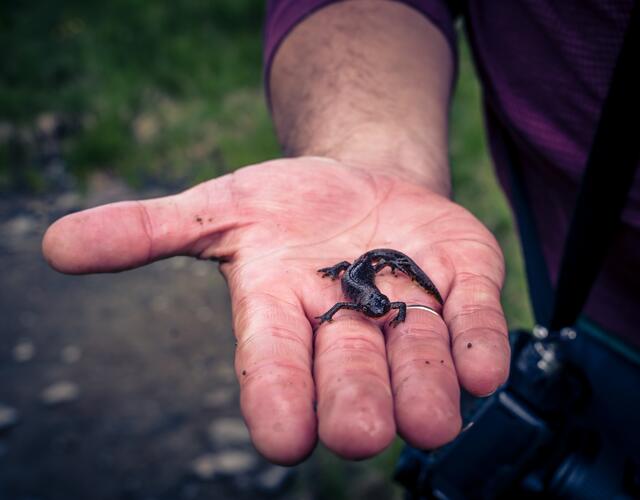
[272, 226]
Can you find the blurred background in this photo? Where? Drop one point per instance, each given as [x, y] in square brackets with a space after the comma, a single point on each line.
[122, 386]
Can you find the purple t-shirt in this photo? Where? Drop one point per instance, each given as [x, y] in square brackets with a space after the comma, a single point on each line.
[545, 67]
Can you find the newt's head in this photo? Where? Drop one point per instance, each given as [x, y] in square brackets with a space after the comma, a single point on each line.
[376, 305]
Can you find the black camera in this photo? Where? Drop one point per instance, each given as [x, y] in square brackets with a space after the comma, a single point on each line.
[533, 438]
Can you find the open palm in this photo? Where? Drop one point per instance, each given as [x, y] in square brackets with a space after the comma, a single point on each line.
[358, 381]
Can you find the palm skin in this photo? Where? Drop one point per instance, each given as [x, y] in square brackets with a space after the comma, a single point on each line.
[358, 381]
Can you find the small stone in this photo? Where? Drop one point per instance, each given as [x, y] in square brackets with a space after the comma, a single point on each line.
[24, 351]
[204, 467]
[178, 263]
[235, 462]
[273, 478]
[47, 123]
[21, 225]
[9, 417]
[225, 463]
[218, 398]
[224, 372]
[225, 432]
[71, 354]
[60, 392]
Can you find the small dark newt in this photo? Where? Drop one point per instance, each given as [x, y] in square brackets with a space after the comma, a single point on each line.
[358, 284]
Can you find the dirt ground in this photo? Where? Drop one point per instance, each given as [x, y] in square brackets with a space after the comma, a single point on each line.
[121, 386]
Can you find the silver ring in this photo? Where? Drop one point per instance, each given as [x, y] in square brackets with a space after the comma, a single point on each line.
[424, 308]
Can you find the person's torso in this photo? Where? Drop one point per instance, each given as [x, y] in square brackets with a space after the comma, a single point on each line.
[546, 68]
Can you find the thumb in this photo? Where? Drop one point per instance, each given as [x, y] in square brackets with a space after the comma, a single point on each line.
[129, 234]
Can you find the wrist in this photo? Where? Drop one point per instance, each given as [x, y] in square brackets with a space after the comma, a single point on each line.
[387, 150]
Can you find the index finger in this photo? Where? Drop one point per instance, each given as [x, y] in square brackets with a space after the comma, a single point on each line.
[273, 365]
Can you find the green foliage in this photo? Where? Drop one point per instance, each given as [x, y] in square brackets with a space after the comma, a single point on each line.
[104, 65]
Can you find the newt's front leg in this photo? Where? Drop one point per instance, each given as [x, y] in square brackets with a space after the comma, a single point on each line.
[402, 313]
[334, 271]
[328, 316]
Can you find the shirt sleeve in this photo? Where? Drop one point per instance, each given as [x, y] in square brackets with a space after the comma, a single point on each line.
[284, 15]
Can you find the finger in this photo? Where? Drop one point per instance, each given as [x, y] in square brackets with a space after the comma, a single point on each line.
[424, 381]
[273, 364]
[128, 234]
[355, 405]
[479, 339]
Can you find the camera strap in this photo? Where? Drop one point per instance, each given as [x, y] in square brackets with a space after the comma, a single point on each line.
[612, 161]
[611, 164]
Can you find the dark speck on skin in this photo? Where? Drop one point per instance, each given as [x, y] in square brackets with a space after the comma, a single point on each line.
[442, 361]
[469, 345]
[244, 372]
[427, 363]
[198, 219]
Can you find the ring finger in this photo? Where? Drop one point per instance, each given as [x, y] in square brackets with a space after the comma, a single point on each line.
[423, 379]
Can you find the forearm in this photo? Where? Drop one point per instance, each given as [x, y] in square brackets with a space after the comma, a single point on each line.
[366, 82]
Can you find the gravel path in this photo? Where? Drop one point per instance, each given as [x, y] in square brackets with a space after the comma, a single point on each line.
[121, 386]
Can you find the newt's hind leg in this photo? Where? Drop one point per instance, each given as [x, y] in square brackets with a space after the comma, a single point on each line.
[384, 263]
[398, 261]
[334, 271]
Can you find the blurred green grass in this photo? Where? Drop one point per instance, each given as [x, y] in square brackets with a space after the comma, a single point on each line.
[163, 90]
[171, 93]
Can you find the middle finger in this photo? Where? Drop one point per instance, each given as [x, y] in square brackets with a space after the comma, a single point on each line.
[355, 404]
